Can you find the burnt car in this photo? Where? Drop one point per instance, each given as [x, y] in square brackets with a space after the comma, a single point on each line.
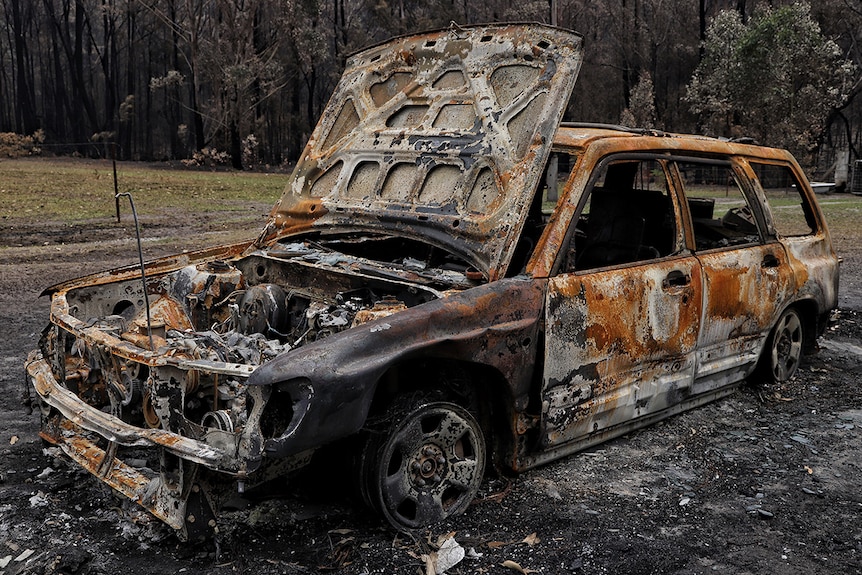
[452, 280]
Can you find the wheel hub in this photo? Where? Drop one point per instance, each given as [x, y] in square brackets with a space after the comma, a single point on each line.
[784, 346]
[428, 466]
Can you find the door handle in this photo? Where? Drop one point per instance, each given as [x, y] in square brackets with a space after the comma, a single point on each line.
[770, 261]
[676, 279]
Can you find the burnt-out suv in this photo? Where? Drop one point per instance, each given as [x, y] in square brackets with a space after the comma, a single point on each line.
[452, 280]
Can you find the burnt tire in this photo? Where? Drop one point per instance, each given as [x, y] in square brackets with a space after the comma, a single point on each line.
[783, 350]
[425, 466]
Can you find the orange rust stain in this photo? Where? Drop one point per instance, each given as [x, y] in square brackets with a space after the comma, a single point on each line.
[608, 313]
[725, 294]
[407, 57]
[48, 437]
[173, 315]
[598, 334]
[301, 208]
[620, 312]
[169, 440]
[486, 301]
[142, 340]
[569, 289]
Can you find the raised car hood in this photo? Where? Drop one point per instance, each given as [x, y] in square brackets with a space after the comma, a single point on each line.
[440, 137]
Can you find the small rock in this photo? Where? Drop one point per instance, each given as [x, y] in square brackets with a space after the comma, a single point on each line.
[24, 555]
[812, 492]
[765, 514]
[45, 473]
[449, 555]
[39, 500]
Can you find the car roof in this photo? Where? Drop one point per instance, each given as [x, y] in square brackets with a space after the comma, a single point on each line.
[611, 137]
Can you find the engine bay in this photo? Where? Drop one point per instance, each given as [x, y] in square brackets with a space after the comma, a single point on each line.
[220, 318]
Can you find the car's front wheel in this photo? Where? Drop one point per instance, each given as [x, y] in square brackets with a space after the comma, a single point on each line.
[783, 349]
[426, 465]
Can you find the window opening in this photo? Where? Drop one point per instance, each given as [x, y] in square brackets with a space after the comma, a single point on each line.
[627, 217]
[792, 214]
[550, 190]
[720, 212]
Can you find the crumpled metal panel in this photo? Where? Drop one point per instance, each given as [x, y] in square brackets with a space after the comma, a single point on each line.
[440, 136]
[475, 326]
[620, 346]
[743, 298]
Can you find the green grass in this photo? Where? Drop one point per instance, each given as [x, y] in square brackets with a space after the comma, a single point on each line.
[843, 215]
[72, 191]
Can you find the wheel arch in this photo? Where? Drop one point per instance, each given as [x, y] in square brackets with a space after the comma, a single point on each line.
[778, 362]
[480, 388]
[332, 387]
[809, 313]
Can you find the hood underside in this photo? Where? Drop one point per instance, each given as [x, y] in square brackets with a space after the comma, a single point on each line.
[440, 137]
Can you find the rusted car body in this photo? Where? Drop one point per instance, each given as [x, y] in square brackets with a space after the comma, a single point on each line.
[452, 279]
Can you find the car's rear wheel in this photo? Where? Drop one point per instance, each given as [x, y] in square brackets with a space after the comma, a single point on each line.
[425, 466]
[783, 350]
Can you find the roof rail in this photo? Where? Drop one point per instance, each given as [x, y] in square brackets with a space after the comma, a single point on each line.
[616, 128]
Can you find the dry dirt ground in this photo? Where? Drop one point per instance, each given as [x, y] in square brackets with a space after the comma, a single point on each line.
[765, 481]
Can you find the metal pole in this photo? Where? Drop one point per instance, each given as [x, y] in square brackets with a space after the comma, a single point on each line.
[143, 269]
[116, 187]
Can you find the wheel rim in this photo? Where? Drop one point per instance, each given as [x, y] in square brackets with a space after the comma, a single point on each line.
[431, 466]
[786, 346]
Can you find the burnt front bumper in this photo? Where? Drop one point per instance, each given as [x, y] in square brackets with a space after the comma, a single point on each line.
[111, 428]
[172, 496]
[180, 480]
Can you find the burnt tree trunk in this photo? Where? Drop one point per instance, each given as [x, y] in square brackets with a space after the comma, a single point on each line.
[25, 117]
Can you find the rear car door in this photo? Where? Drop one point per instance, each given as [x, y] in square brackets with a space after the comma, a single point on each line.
[747, 278]
[623, 308]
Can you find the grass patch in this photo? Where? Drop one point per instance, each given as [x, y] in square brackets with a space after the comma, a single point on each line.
[843, 213]
[72, 191]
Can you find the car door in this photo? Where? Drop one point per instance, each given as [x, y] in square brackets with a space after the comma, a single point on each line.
[747, 277]
[622, 311]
